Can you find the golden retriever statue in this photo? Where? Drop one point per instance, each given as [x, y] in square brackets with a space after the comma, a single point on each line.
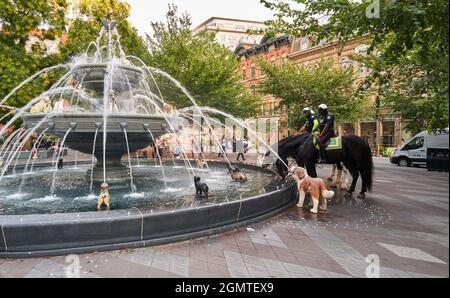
[236, 174]
[103, 198]
[315, 186]
[43, 106]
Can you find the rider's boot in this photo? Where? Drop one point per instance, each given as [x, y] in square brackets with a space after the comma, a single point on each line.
[322, 155]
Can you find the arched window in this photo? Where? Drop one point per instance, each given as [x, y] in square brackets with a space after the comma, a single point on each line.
[346, 62]
[362, 49]
[304, 44]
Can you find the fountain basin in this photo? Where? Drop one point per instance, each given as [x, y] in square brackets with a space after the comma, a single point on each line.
[58, 234]
[83, 130]
[84, 126]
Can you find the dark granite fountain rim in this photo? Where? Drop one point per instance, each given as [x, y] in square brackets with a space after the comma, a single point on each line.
[135, 212]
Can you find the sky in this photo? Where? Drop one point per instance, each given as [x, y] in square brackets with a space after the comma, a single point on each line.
[145, 11]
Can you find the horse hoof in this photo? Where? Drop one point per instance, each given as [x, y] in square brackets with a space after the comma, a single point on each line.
[314, 211]
[361, 196]
[349, 194]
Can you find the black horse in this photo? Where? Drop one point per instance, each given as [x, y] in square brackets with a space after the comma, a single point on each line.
[355, 155]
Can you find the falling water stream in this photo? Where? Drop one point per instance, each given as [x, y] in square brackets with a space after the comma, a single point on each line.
[93, 159]
[60, 151]
[133, 187]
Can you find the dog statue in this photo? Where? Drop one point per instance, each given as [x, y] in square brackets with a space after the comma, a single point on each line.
[60, 163]
[201, 189]
[103, 198]
[43, 106]
[201, 163]
[315, 186]
[169, 109]
[236, 174]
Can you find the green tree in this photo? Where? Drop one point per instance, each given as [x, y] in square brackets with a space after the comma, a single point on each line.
[300, 86]
[87, 26]
[408, 42]
[18, 20]
[208, 70]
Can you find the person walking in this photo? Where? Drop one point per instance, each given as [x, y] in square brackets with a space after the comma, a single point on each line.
[240, 149]
[223, 144]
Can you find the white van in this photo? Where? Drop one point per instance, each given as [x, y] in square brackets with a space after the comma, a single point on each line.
[415, 151]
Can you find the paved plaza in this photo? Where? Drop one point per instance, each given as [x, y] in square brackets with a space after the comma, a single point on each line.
[403, 225]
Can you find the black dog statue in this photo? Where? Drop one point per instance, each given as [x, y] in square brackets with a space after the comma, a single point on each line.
[201, 189]
[60, 163]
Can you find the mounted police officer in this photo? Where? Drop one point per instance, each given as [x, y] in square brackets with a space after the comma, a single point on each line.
[311, 125]
[326, 128]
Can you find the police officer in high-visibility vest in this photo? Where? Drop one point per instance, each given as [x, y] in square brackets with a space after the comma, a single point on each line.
[311, 125]
[326, 128]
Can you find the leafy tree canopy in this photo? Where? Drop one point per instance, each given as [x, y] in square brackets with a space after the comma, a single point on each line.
[20, 19]
[300, 86]
[47, 20]
[207, 69]
[87, 26]
[408, 40]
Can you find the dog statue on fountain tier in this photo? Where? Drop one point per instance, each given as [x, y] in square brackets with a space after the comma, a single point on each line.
[103, 198]
[169, 109]
[315, 186]
[201, 163]
[201, 189]
[43, 106]
[236, 174]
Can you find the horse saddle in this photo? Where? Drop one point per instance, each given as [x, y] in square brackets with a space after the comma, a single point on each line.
[332, 144]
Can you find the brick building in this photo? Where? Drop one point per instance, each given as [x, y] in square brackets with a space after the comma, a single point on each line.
[386, 131]
[276, 51]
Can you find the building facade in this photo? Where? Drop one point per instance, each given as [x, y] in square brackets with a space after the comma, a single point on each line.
[270, 113]
[231, 32]
[387, 130]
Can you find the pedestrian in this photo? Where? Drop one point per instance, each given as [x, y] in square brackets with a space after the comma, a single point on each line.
[223, 144]
[240, 149]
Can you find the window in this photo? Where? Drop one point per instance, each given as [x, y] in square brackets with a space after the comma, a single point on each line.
[304, 45]
[363, 70]
[346, 62]
[252, 72]
[284, 61]
[272, 108]
[244, 74]
[415, 144]
[362, 49]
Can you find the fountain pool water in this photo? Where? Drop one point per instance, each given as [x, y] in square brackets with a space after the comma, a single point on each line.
[72, 195]
[104, 106]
